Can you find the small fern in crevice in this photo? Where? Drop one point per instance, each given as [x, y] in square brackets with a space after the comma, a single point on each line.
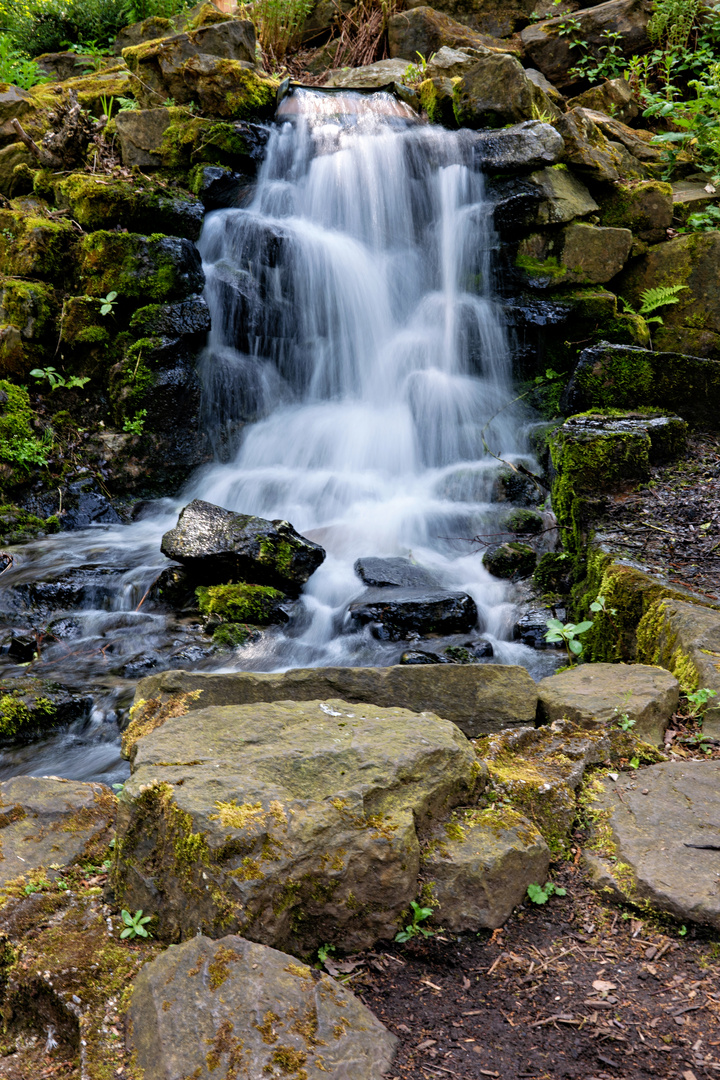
[652, 299]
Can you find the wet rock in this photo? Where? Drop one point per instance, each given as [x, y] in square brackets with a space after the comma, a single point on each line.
[523, 522]
[479, 866]
[296, 856]
[22, 648]
[586, 148]
[380, 74]
[581, 254]
[173, 588]
[397, 571]
[511, 560]
[626, 377]
[395, 613]
[531, 627]
[218, 186]
[417, 656]
[280, 1012]
[154, 268]
[82, 587]
[495, 92]
[488, 483]
[84, 504]
[552, 52]
[561, 197]
[539, 771]
[636, 141]
[424, 31]
[216, 545]
[657, 837]
[65, 628]
[598, 695]
[190, 318]
[51, 823]
[33, 247]
[482, 649]
[477, 697]
[612, 97]
[526, 146]
[646, 208]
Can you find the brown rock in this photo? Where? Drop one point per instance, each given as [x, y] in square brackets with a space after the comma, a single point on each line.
[612, 96]
[645, 208]
[140, 132]
[424, 31]
[493, 93]
[636, 142]
[486, 16]
[581, 254]
[586, 148]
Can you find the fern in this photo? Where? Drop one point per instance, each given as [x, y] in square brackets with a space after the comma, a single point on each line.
[652, 299]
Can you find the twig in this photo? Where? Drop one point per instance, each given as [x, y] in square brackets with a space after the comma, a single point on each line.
[49, 161]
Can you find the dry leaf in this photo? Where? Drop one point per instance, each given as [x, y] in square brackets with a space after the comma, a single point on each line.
[603, 987]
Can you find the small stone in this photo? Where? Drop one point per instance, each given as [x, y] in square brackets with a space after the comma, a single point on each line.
[398, 571]
[511, 560]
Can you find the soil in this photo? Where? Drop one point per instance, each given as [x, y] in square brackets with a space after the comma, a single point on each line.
[672, 524]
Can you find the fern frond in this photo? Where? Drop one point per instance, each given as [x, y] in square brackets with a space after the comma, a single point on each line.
[660, 296]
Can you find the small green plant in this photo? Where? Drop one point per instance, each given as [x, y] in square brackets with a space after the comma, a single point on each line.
[698, 700]
[16, 67]
[416, 73]
[134, 924]
[540, 894]
[137, 424]
[36, 886]
[58, 381]
[568, 633]
[625, 722]
[108, 303]
[323, 954]
[419, 915]
[106, 105]
[278, 22]
[652, 299]
[704, 221]
[682, 931]
[127, 104]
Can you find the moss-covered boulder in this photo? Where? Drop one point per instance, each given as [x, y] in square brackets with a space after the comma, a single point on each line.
[495, 92]
[293, 823]
[581, 254]
[692, 325]
[207, 1002]
[685, 639]
[436, 100]
[523, 522]
[107, 202]
[94, 90]
[645, 208]
[35, 247]
[150, 268]
[511, 560]
[614, 97]
[586, 148]
[27, 314]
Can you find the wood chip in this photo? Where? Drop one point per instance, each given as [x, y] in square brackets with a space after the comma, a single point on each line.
[425, 1044]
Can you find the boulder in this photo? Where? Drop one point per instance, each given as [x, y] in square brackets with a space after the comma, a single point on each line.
[486, 16]
[539, 772]
[30, 309]
[581, 254]
[552, 52]
[207, 1005]
[690, 197]
[656, 838]
[396, 613]
[59, 66]
[478, 866]
[645, 208]
[225, 88]
[451, 63]
[547, 87]
[34, 247]
[626, 377]
[637, 142]
[487, 483]
[495, 92]
[478, 698]
[511, 560]
[613, 96]
[98, 202]
[189, 318]
[381, 73]
[397, 571]
[218, 186]
[531, 627]
[298, 822]
[147, 30]
[50, 824]
[523, 522]
[31, 708]
[597, 695]
[685, 638]
[141, 132]
[559, 197]
[586, 148]
[422, 31]
[150, 268]
[526, 146]
[216, 546]
[692, 325]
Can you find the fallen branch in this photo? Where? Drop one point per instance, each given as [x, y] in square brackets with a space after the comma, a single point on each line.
[47, 160]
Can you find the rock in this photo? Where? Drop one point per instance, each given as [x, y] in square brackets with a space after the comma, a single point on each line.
[495, 92]
[225, 88]
[396, 613]
[539, 771]
[150, 268]
[321, 18]
[581, 254]
[51, 823]
[692, 325]
[637, 142]
[15, 163]
[382, 73]
[478, 698]
[216, 546]
[626, 377]
[147, 30]
[531, 627]
[422, 31]
[613, 96]
[302, 817]
[478, 867]
[417, 656]
[488, 483]
[30, 708]
[586, 148]
[523, 522]
[597, 695]
[27, 313]
[34, 247]
[552, 52]
[262, 1008]
[690, 197]
[646, 208]
[656, 838]
[14, 104]
[397, 571]
[685, 638]
[98, 202]
[486, 16]
[451, 63]
[511, 560]
[526, 146]
[141, 132]
[189, 318]
[59, 66]
[562, 197]
[547, 87]
[218, 186]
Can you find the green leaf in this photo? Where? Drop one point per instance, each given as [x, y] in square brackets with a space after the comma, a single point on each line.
[126, 932]
[537, 894]
[554, 624]
[404, 935]
[560, 892]
[126, 917]
[595, 606]
[552, 635]
[583, 627]
[575, 647]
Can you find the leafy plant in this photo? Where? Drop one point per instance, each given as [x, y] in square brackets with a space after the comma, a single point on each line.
[652, 299]
[419, 915]
[608, 63]
[106, 105]
[40, 26]
[108, 303]
[127, 104]
[16, 67]
[568, 633]
[137, 424]
[323, 954]
[134, 924]
[699, 699]
[540, 894]
[625, 722]
[278, 22]
[704, 220]
[416, 73]
[58, 381]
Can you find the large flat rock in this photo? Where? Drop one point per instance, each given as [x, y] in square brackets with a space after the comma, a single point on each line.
[595, 695]
[480, 699]
[294, 823]
[247, 1010]
[657, 837]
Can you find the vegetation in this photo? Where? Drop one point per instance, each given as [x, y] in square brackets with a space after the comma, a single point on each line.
[415, 927]
[135, 925]
[540, 894]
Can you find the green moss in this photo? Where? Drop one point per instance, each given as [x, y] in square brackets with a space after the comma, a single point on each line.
[552, 571]
[19, 444]
[17, 526]
[134, 266]
[618, 379]
[540, 269]
[36, 247]
[16, 717]
[81, 321]
[657, 644]
[240, 603]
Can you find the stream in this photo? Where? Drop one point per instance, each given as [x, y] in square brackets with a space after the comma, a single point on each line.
[357, 368]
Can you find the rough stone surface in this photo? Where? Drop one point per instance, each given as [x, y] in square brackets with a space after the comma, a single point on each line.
[395, 613]
[586, 148]
[593, 695]
[611, 96]
[48, 822]
[478, 698]
[479, 867]
[426, 31]
[657, 837]
[493, 93]
[150, 268]
[237, 1005]
[563, 197]
[140, 132]
[379, 74]
[486, 16]
[646, 208]
[526, 146]
[581, 254]
[636, 141]
[299, 820]
[511, 560]
[685, 639]
[216, 545]
[398, 571]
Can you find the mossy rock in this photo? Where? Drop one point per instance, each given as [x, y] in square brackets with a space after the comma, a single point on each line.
[646, 208]
[82, 323]
[105, 202]
[31, 707]
[92, 90]
[148, 268]
[21, 450]
[436, 99]
[511, 560]
[27, 311]
[34, 247]
[191, 140]
[523, 522]
[552, 573]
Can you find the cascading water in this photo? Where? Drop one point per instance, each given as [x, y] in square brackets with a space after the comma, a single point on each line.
[357, 370]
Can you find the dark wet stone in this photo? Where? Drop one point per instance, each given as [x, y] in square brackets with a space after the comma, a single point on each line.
[217, 545]
[531, 628]
[31, 707]
[511, 560]
[86, 587]
[22, 648]
[397, 613]
[173, 588]
[379, 573]
[219, 187]
[138, 666]
[417, 656]
[483, 649]
[188, 318]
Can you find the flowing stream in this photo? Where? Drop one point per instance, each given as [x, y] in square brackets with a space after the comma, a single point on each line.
[357, 368]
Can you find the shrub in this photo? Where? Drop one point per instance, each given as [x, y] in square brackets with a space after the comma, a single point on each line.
[40, 26]
[16, 67]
